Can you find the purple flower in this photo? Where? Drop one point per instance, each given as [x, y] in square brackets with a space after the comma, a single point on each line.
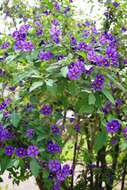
[55, 22]
[5, 45]
[57, 6]
[60, 57]
[60, 175]
[56, 186]
[124, 131]
[67, 9]
[107, 107]
[21, 152]
[98, 83]
[28, 46]
[86, 33]
[118, 103]
[113, 126]
[43, 55]
[46, 110]
[125, 61]
[6, 114]
[91, 56]
[82, 46]
[55, 130]
[115, 4]
[73, 41]
[54, 165]
[39, 31]
[30, 133]
[19, 45]
[77, 128]
[9, 150]
[88, 70]
[66, 170]
[32, 151]
[17, 35]
[24, 28]
[111, 52]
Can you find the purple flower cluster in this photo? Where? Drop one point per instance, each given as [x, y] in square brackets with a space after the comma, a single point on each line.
[45, 56]
[32, 151]
[46, 110]
[53, 147]
[55, 33]
[75, 70]
[20, 39]
[98, 83]
[39, 28]
[59, 172]
[5, 134]
[5, 103]
[113, 126]
[5, 45]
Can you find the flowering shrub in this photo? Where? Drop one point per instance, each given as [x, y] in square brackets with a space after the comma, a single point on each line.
[52, 65]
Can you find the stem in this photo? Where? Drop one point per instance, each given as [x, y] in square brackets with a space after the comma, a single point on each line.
[123, 176]
[74, 162]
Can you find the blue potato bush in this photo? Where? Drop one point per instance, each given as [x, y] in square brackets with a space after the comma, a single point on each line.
[63, 97]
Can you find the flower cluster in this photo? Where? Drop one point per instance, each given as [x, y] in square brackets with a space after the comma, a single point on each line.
[98, 83]
[20, 39]
[5, 45]
[55, 32]
[53, 147]
[39, 28]
[45, 56]
[5, 134]
[31, 151]
[75, 70]
[59, 172]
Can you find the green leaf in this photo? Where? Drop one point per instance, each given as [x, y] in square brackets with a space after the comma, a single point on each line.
[109, 96]
[100, 140]
[15, 118]
[64, 71]
[1, 116]
[35, 167]
[35, 85]
[49, 82]
[92, 99]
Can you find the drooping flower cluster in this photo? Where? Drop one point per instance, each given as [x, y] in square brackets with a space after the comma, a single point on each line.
[20, 39]
[113, 126]
[98, 83]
